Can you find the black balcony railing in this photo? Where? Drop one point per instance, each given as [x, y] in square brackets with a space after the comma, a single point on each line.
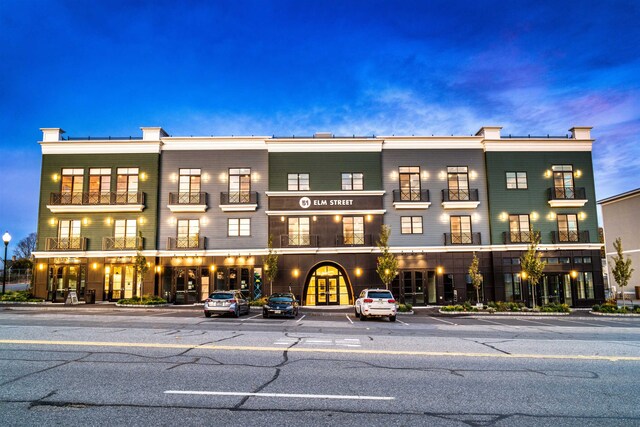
[121, 243]
[410, 196]
[570, 236]
[354, 240]
[239, 198]
[566, 193]
[187, 198]
[295, 240]
[66, 243]
[516, 237]
[462, 239]
[192, 242]
[470, 194]
[106, 198]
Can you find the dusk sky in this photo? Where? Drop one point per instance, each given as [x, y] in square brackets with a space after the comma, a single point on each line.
[296, 67]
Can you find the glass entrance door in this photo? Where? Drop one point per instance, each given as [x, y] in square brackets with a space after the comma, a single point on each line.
[186, 285]
[413, 290]
[556, 288]
[65, 279]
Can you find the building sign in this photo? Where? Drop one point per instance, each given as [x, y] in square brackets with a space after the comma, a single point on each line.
[328, 203]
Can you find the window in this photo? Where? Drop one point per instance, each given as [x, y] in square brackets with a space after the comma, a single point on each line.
[127, 185]
[461, 230]
[582, 260]
[353, 181]
[99, 185]
[563, 182]
[71, 186]
[239, 185]
[298, 182]
[585, 285]
[519, 229]
[568, 228]
[69, 234]
[188, 233]
[516, 180]
[512, 287]
[409, 183]
[125, 231]
[189, 186]
[239, 227]
[411, 225]
[458, 182]
[299, 231]
[353, 230]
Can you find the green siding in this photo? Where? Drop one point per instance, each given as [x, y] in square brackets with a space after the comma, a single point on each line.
[97, 227]
[325, 169]
[535, 199]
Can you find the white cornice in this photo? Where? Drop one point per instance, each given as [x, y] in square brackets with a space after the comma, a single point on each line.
[523, 145]
[467, 204]
[433, 143]
[239, 208]
[411, 205]
[214, 143]
[334, 145]
[94, 208]
[187, 208]
[327, 212]
[567, 203]
[324, 193]
[101, 147]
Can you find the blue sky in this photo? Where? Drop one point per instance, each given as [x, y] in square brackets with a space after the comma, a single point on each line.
[296, 67]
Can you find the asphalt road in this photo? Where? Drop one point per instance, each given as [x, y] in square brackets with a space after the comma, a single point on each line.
[174, 366]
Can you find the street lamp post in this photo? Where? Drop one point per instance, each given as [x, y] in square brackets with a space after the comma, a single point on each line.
[6, 238]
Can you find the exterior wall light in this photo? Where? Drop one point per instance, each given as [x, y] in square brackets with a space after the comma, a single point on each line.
[577, 173]
[524, 275]
[582, 216]
[143, 176]
[296, 273]
[55, 177]
[358, 272]
[574, 274]
[369, 218]
[439, 270]
[41, 266]
[503, 216]
[212, 268]
[337, 218]
[53, 221]
[94, 265]
[547, 173]
[85, 221]
[534, 216]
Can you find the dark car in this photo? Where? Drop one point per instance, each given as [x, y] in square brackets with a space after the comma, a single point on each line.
[280, 305]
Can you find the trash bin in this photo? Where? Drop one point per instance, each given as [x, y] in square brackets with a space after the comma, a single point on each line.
[90, 296]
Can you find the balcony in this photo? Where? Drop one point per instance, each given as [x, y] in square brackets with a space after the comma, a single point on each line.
[194, 242]
[411, 199]
[66, 244]
[567, 197]
[187, 202]
[570, 237]
[454, 239]
[460, 199]
[96, 202]
[237, 201]
[309, 240]
[354, 240]
[510, 237]
[121, 243]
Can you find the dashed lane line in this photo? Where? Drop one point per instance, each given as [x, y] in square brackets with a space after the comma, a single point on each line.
[611, 358]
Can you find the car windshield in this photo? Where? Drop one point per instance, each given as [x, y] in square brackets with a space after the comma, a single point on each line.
[221, 296]
[380, 295]
[280, 299]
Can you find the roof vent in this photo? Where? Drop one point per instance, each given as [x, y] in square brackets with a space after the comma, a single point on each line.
[323, 135]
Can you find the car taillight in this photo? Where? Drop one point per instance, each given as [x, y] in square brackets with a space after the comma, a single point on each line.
[367, 300]
[392, 301]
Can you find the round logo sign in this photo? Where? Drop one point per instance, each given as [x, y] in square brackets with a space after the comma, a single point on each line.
[305, 202]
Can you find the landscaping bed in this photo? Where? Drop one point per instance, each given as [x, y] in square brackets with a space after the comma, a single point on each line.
[19, 296]
[145, 301]
[500, 307]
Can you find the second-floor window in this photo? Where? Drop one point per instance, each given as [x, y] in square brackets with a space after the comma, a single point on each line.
[563, 182]
[71, 186]
[519, 228]
[353, 181]
[298, 182]
[188, 233]
[69, 234]
[411, 225]
[409, 183]
[99, 185]
[461, 230]
[127, 185]
[189, 186]
[516, 180]
[458, 182]
[125, 233]
[239, 185]
[353, 230]
[299, 231]
[568, 228]
[239, 227]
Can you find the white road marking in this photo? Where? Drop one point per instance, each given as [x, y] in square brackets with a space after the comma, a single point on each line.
[349, 319]
[287, 395]
[249, 318]
[351, 339]
[444, 321]
[406, 324]
[491, 321]
[301, 318]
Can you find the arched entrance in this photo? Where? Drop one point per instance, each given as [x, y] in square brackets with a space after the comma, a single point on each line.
[328, 284]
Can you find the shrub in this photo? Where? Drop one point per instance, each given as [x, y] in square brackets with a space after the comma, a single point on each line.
[404, 308]
[259, 302]
[19, 296]
[145, 300]
[555, 307]
[458, 307]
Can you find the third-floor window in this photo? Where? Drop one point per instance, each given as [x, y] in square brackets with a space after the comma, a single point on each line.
[461, 230]
[189, 186]
[125, 233]
[458, 182]
[99, 185]
[71, 185]
[519, 228]
[409, 182]
[563, 181]
[188, 233]
[352, 181]
[568, 228]
[127, 184]
[353, 230]
[239, 185]
[298, 232]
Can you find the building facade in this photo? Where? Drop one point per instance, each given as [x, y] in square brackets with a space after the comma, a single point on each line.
[202, 211]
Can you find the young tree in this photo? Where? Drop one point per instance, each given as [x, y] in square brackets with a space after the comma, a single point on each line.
[25, 246]
[387, 267]
[621, 267]
[476, 276]
[141, 265]
[271, 265]
[532, 264]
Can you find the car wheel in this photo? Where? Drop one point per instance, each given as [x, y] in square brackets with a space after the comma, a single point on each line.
[265, 315]
[357, 314]
[363, 317]
[392, 318]
[207, 314]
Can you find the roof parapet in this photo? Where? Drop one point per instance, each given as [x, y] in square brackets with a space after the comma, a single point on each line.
[581, 132]
[489, 132]
[153, 133]
[51, 134]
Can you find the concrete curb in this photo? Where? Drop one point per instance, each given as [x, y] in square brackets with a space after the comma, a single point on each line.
[142, 305]
[615, 314]
[502, 313]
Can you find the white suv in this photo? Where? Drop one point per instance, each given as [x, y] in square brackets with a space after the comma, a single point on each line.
[376, 303]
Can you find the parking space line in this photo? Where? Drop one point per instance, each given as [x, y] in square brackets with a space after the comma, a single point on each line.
[443, 321]
[303, 316]
[349, 319]
[406, 324]
[287, 395]
[579, 323]
[491, 322]
[534, 322]
[249, 318]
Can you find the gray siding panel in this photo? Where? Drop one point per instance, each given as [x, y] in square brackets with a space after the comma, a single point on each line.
[215, 167]
[433, 169]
